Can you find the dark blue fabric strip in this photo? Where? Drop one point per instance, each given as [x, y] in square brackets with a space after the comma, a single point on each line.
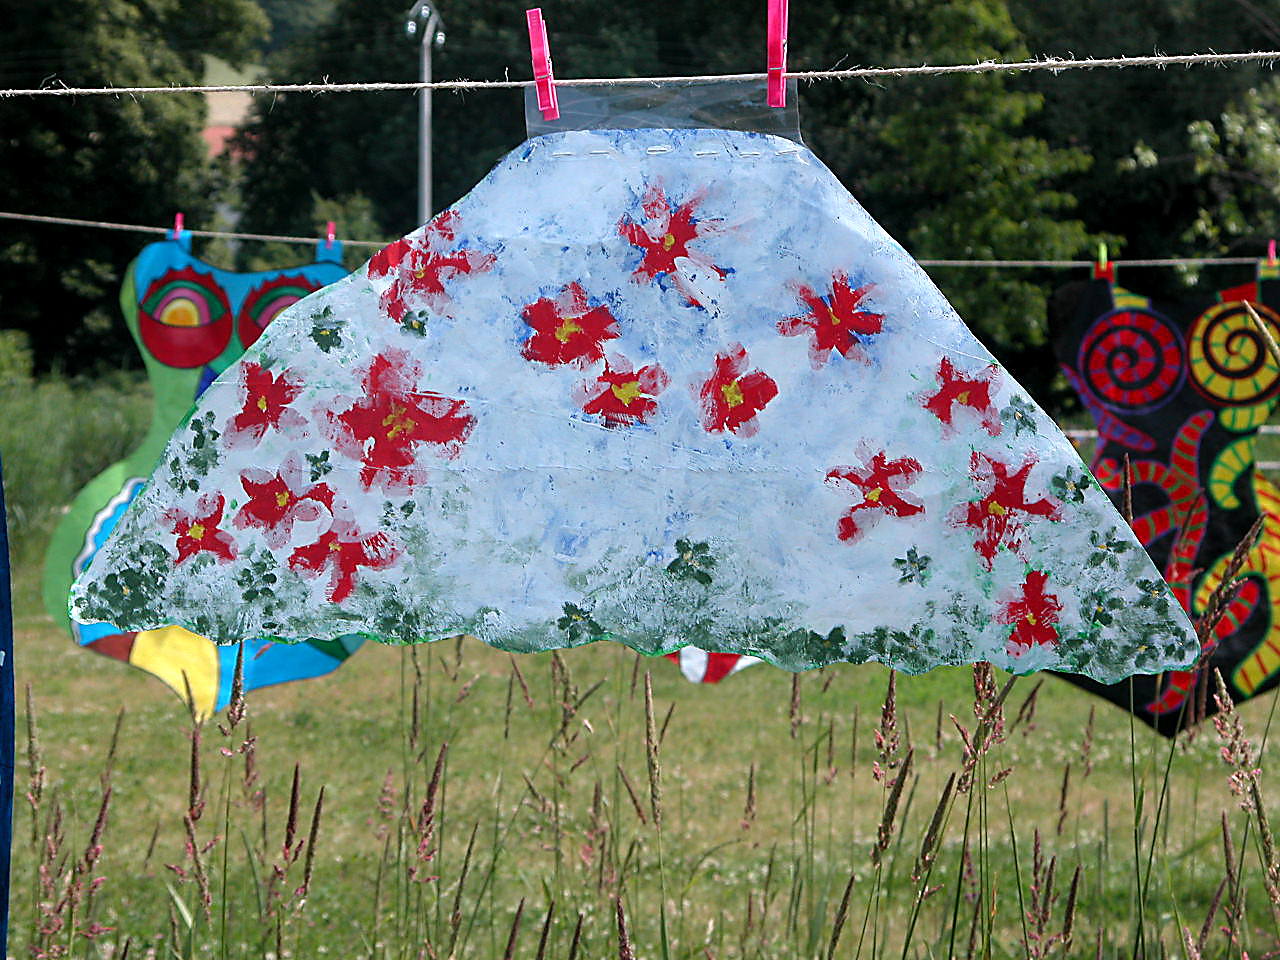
[6, 723]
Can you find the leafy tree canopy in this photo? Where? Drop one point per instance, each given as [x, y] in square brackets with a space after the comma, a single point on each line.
[131, 160]
[1029, 166]
[1155, 186]
[958, 177]
[293, 20]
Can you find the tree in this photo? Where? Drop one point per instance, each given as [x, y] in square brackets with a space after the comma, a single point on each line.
[961, 171]
[333, 147]
[294, 20]
[1152, 182]
[117, 159]
[1237, 157]
[895, 146]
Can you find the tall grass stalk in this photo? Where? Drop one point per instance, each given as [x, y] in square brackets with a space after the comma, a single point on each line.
[387, 843]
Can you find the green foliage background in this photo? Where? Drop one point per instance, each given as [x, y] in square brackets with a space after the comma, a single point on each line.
[1157, 163]
[100, 158]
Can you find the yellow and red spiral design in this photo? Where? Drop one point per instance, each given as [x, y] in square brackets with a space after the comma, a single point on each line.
[1132, 360]
[1229, 360]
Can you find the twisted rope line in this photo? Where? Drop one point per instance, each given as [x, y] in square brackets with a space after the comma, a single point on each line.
[1051, 64]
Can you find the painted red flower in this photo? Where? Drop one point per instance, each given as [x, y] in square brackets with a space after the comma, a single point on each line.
[835, 322]
[277, 501]
[626, 397]
[881, 484]
[420, 263]
[731, 398]
[199, 531]
[266, 402]
[566, 329]
[1033, 613]
[341, 551]
[957, 390]
[664, 236]
[384, 428]
[998, 517]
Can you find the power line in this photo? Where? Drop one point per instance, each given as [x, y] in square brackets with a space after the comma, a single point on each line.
[1051, 64]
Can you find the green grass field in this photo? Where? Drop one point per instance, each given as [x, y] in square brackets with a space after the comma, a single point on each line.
[740, 840]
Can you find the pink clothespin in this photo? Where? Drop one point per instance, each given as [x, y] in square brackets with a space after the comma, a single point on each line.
[329, 250]
[177, 226]
[1271, 253]
[777, 53]
[540, 51]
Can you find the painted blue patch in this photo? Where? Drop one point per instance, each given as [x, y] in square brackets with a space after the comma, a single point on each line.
[267, 663]
[207, 376]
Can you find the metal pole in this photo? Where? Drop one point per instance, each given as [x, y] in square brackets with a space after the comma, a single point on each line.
[424, 129]
[432, 35]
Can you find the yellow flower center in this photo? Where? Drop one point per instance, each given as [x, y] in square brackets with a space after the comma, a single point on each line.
[962, 397]
[567, 329]
[832, 315]
[997, 509]
[874, 495]
[262, 404]
[1031, 619]
[282, 498]
[196, 531]
[668, 241]
[733, 394]
[397, 420]
[334, 547]
[627, 392]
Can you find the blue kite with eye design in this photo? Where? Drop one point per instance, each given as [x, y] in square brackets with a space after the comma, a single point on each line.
[191, 321]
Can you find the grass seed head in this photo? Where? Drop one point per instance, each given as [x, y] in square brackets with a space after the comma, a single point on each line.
[546, 932]
[301, 893]
[1236, 751]
[651, 754]
[842, 912]
[625, 952]
[510, 952]
[749, 810]
[793, 711]
[887, 742]
[884, 833]
[929, 846]
[524, 687]
[236, 706]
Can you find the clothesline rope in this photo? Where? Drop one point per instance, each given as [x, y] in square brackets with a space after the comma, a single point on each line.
[1148, 262]
[218, 234]
[378, 244]
[1051, 64]
[1073, 433]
